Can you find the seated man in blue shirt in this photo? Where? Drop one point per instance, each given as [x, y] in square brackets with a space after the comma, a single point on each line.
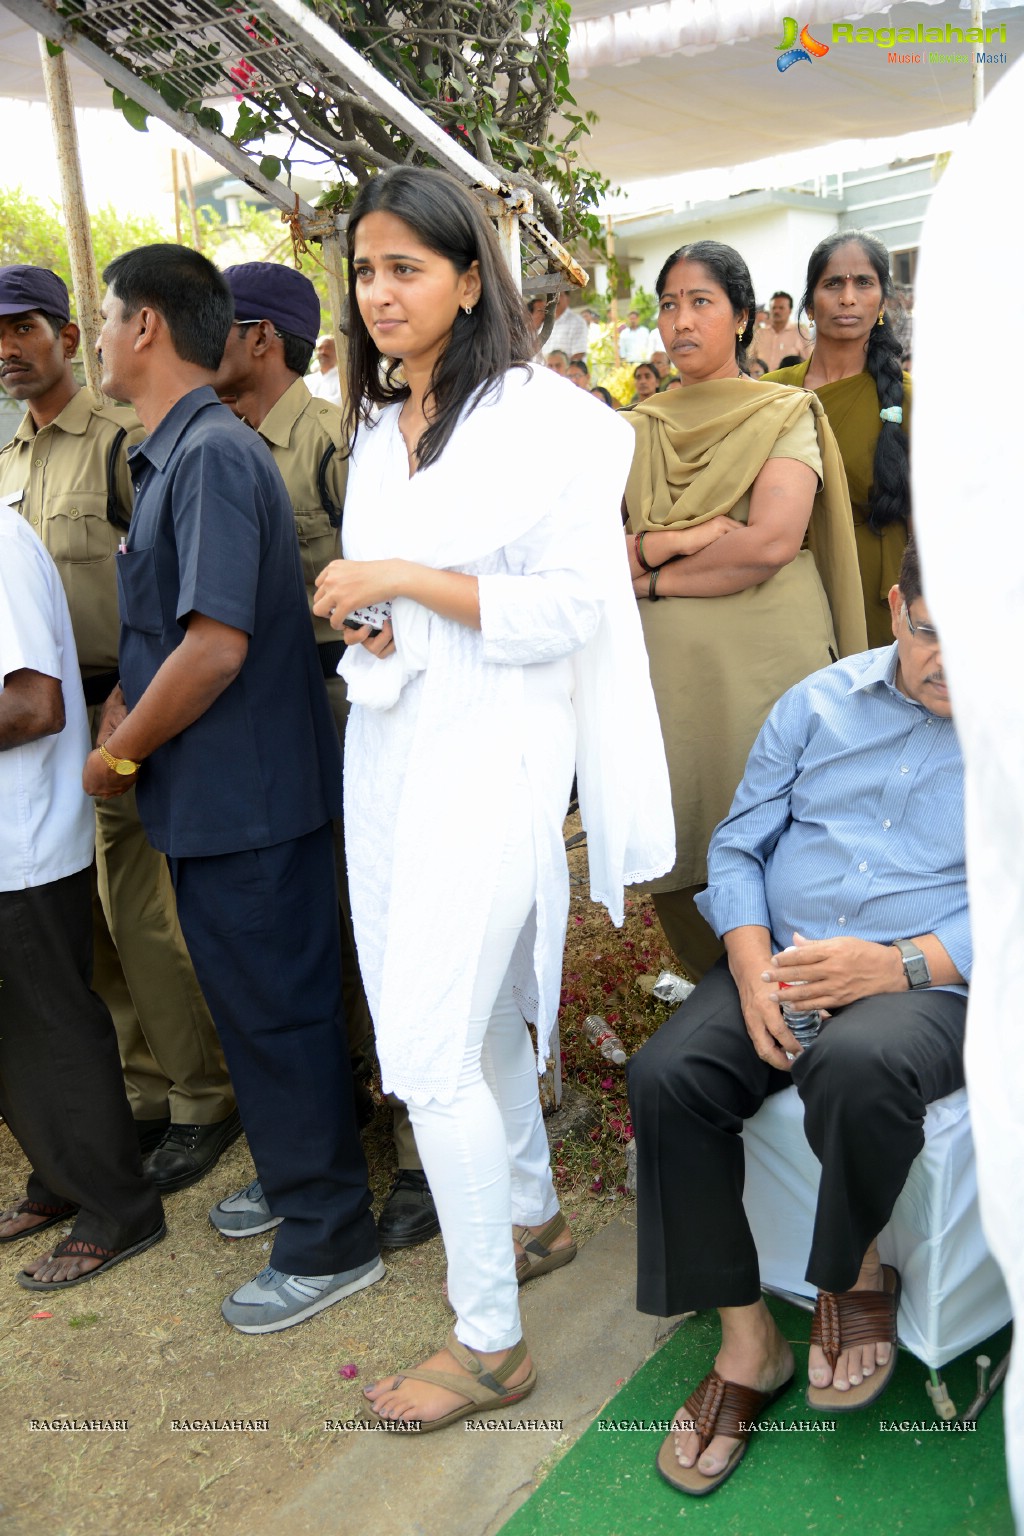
[846, 841]
[226, 725]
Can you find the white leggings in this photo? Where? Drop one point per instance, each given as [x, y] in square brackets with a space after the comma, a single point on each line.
[486, 1153]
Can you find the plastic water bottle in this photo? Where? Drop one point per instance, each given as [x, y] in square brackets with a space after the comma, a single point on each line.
[804, 1023]
[600, 1033]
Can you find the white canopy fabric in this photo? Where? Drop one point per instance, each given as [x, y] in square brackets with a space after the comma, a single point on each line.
[688, 84]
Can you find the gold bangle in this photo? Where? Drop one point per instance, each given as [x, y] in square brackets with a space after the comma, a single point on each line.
[122, 765]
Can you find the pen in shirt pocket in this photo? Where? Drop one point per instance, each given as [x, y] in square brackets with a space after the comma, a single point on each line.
[122, 548]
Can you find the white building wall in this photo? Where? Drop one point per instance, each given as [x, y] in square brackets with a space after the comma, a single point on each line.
[774, 242]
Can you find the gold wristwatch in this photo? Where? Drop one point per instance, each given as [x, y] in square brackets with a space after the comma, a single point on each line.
[122, 765]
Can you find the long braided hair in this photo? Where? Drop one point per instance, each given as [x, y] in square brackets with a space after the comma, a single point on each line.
[889, 499]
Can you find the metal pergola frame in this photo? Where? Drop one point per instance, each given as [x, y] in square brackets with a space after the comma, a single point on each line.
[208, 51]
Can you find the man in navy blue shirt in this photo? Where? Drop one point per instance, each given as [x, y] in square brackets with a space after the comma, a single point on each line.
[840, 868]
[226, 729]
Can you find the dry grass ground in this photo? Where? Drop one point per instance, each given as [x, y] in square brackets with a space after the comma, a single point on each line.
[146, 1343]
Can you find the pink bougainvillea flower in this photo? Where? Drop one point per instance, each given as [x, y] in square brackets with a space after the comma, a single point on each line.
[606, 1084]
[597, 1186]
[350, 1371]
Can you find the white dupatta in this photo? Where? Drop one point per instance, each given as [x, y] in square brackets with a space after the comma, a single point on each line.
[537, 443]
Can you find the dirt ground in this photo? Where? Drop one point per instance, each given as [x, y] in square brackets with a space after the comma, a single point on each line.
[145, 1348]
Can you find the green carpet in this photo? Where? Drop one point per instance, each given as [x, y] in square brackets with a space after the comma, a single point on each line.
[857, 1479]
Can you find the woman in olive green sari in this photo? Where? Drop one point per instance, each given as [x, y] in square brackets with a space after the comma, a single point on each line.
[740, 520]
[855, 372]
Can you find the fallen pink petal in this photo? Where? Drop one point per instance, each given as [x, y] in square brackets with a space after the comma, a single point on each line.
[350, 1371]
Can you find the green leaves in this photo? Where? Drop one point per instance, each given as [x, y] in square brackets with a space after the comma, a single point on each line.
[137, 116]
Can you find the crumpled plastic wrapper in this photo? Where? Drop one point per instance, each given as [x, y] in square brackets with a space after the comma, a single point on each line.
[670, 988]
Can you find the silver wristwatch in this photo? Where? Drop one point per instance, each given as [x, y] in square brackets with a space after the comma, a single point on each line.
[915, 966]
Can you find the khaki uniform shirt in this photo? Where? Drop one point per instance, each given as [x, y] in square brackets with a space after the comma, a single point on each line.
[61, 471]
[299, 430]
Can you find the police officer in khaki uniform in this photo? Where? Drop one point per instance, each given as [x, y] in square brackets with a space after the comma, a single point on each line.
[277, 318]
[65, 470]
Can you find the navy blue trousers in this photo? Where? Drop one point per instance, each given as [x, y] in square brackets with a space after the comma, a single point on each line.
[262, 929]
[865, 1083]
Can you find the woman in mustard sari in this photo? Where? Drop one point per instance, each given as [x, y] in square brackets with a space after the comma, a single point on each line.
[739, 518]
[856, 373]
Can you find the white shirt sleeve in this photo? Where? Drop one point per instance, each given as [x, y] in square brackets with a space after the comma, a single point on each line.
[29, 626]
[548, 605]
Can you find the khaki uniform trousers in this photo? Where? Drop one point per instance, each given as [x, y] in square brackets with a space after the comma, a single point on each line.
[172, 1060]
[357, 1011]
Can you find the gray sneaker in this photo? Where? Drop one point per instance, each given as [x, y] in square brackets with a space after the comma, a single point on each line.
[273, 1301]
[245, 1213]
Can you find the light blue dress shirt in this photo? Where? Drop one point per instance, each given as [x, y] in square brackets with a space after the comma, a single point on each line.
[849, 819]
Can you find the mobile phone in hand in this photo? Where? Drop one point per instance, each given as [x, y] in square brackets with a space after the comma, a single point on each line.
[375, 615]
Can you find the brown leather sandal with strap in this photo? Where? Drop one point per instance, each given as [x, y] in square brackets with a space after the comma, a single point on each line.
[845, 1319]
[717, 1407]
[484, 1390]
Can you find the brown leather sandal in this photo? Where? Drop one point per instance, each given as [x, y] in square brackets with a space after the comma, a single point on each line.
[52, 1216]
[484, 1390]
[844, 1319]
[717, 1407]
[538, 1257]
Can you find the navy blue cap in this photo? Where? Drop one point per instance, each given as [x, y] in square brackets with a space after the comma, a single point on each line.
[25, 288]
[264, 290]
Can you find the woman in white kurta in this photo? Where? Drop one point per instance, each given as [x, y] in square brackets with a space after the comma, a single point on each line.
[482, 504]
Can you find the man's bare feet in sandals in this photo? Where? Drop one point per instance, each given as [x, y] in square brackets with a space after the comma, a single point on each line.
[28, 1216]
[754, 1354]
[856, 1364]
[51, 1269]
[425, 1402]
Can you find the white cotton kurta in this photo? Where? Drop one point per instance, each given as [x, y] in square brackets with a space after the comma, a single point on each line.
[526, 497]
[968, 467]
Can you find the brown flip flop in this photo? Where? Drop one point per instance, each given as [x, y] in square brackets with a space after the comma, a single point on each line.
[843, 1319]
[716, 1407]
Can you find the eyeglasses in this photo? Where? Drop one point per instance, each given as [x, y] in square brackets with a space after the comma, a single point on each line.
[926, 633]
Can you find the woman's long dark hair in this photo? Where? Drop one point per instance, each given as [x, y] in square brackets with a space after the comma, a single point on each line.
[889, 498]
[481, 347]
[730, 272]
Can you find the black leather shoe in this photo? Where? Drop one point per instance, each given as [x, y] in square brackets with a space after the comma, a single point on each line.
[187, 1152]
[151, 1133]
[409, 1216]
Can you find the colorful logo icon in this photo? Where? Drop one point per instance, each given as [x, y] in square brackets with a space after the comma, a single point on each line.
[789, 53]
